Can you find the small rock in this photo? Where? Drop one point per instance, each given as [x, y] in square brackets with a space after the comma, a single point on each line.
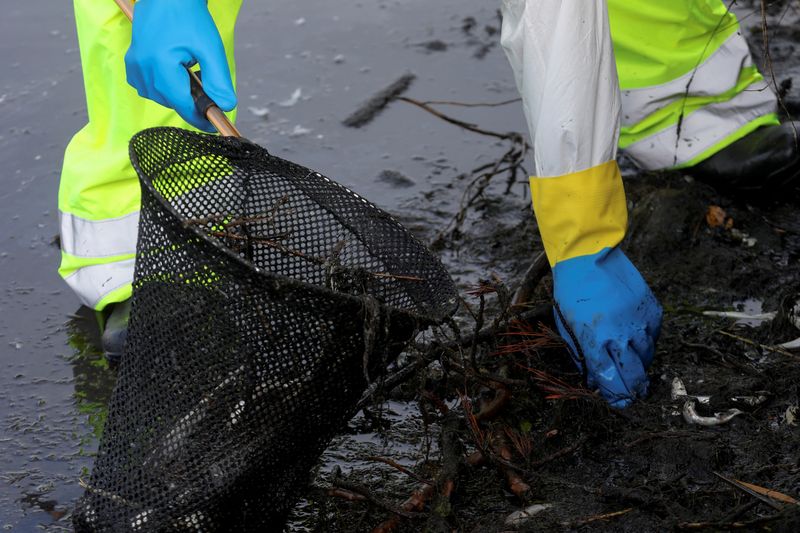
[791, 415]
[435, 46]
[339, 59]
[395, 178]
[468, 24]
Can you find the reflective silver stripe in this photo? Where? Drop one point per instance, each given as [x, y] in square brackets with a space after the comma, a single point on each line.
[99, 238]
[93, 283]
[717, 74]
[703, 129]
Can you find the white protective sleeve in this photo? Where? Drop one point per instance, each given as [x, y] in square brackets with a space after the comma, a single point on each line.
[563, 61]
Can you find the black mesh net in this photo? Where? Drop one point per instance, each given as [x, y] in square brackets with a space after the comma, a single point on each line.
[266, 296]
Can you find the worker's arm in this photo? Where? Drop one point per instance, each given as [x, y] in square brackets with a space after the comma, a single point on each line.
[563, 61]
[168, 36]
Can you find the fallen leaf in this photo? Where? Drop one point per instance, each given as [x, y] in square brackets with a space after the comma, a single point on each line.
[769, 493]
[716, 217]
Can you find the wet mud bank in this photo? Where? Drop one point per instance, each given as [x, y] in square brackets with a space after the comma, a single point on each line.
[656, 466]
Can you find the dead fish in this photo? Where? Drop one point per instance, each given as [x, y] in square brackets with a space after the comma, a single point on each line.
[751, 401]
[791, 345]
[691, 416]
[679, 392]
[793, 315]
[741, 316]
[678, 389]
[518, 518]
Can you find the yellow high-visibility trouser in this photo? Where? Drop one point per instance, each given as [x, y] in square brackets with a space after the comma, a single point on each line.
[689, 87]
[682, 64]
[99, 194]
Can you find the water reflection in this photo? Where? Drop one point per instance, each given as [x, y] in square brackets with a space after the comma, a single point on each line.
[94, 380]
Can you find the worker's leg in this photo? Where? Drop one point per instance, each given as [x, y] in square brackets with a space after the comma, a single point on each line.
[99, 193]
[689, 86]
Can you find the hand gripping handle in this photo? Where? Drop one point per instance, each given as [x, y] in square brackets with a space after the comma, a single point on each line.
[204, 104]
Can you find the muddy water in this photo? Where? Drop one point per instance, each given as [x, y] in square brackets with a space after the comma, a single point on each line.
[53, 385]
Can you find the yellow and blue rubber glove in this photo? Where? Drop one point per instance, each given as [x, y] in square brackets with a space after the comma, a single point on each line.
[604, 309]
[168, 37]
[564, 67]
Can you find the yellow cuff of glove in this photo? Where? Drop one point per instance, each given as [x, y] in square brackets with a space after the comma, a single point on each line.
[581, 213]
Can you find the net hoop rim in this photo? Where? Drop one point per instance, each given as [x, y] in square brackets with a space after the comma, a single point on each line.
[274, 278]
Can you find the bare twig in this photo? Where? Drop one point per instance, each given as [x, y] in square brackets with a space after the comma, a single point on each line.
[445, 480]
[437, 402]
[452, 462]
[596, 518]
[395, 276]
[272, 241]
[390, 382]
[522, 443]
[467, 104]
[106, 494]
[477, 433]
[492, 409]
[768, 63]
[538, 269]
[512, 136]
[515, 482]
[473, 350]
[345, 495]
[398, 466]
[719, 526]
[483, 176]
[415, 502]
[560, 453]
[510, 162]
[539, 313]
[774, 349]
[769, 497]
[369, 495]
[557, 389]
[687, 88]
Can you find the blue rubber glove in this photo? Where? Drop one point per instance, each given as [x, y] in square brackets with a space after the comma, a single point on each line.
[169, 35]
[604, 305]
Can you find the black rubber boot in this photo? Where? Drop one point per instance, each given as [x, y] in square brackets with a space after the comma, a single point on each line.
[764, 165]
[115, 332]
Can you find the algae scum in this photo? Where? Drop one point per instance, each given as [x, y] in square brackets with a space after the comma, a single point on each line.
[645, 469]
